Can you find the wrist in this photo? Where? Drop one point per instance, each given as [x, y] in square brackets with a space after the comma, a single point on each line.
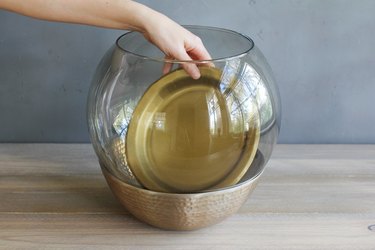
[142, 18]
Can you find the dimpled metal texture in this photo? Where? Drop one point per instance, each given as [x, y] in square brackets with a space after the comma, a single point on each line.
[180, 211]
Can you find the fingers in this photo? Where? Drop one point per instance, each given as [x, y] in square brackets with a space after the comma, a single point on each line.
[190, 67]
[199, 52]
[167, 66]
[193, 54]
[196, 51]
[192, 70]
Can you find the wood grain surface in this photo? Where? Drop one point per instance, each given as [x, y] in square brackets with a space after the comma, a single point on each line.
[53, 196]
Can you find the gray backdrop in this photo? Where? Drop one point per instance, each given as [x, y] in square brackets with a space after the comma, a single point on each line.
[322, 53]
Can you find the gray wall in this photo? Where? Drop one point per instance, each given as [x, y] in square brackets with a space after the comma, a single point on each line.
[322, 53]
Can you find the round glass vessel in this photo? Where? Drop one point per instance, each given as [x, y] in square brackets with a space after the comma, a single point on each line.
[170, 133]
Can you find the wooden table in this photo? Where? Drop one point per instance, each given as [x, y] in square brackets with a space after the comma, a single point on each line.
[310, 197]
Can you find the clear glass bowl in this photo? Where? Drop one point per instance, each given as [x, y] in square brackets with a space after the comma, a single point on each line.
[173, 134]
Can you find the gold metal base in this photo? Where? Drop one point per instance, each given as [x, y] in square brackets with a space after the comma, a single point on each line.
[180, 211]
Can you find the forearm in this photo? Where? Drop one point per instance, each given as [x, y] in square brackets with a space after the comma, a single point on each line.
[175, 41]
[115, 14]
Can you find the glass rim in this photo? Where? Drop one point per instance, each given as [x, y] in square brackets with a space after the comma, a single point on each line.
[165, 60]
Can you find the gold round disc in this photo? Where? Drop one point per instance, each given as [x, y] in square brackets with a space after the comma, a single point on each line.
[188, 135]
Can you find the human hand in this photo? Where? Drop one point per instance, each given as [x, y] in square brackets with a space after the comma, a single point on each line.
[176, 42]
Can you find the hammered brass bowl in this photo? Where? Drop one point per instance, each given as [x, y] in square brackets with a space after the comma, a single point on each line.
[173, 211]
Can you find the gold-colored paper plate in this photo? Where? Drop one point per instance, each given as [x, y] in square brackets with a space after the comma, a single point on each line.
[188, 135]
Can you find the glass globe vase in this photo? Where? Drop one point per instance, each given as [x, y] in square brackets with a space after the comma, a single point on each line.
[171, 138]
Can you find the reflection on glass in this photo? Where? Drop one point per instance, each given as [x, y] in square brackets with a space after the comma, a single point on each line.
[174, 134]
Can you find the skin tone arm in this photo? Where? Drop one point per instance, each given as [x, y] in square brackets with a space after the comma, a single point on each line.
[174, 40]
